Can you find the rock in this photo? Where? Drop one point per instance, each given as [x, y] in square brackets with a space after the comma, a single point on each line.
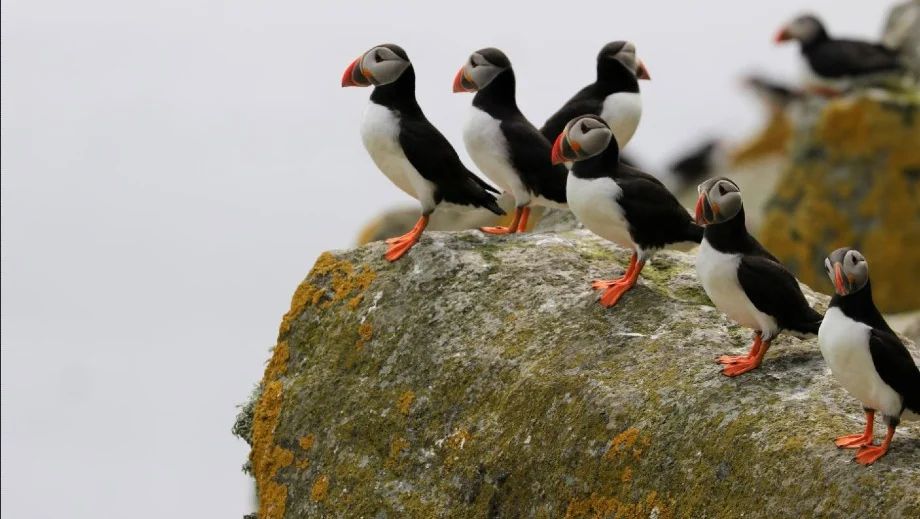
[479, 377]
[397, 221]
[852, 179]
[902, 32]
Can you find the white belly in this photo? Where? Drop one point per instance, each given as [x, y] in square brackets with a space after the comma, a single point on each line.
[488, 148]
[380, 134]
[718, 273]
[622, 111]
[844, 344]
[594, 203]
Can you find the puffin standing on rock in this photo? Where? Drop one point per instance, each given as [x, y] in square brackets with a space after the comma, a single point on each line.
[503, 143]
[618, 202]
[614, 95]
[865, 355]
[743, 280]
[834, 59]
[406, 147]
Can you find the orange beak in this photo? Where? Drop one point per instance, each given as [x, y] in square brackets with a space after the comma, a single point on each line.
[839, 285]
[642, 73]
[347, 77]
[698, 212]
[458, 82]
[557, 150]
[782, 36]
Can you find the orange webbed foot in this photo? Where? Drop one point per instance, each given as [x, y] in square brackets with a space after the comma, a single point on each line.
[869, 454]
[400, 245]
[614, 292]
[853, 441]
[733, 370]
[604, 284]
[733, 359]
[498, 230]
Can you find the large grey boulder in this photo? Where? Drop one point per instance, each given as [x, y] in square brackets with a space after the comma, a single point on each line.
[479, 377]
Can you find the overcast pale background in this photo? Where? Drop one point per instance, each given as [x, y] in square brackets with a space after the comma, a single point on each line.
[171, 170]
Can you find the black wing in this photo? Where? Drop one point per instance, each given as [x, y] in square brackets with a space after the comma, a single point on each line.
[775, 292]
[582, 103]
[896, 367]
[841, 58]
[754, 248]
[531, 158]
[437, 161]
[656, 217]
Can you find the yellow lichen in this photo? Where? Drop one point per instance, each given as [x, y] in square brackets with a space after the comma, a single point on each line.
[397, 445]
[772, 140]
[320, 489]
[365, 332]
[404, 403]
[627, 475]
[303, 463]
[305, 295]
[266, 457]
[306, 442]
[597, 506]
[458, 439]
[628, 441]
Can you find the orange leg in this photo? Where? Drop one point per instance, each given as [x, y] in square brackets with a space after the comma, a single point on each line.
[743, 366]
[613, 294]
[854, 441]
[735, 359]
[604, 284]
[869, 454]
[512, 227]
[400, 245]
[522, 225]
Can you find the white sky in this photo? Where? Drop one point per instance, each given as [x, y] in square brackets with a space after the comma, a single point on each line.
[171, 169]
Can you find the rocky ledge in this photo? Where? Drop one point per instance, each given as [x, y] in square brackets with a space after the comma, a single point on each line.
[478, 377]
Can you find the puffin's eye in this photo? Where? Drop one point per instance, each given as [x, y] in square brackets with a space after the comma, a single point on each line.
[377, 57]
[584, 127]
[721, 189]
[853, 258]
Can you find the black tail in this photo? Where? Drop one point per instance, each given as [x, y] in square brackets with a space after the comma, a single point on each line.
[694, 233]
[811, 323]
[492, 205]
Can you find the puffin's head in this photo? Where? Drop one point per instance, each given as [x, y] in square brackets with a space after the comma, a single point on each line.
[584, 137]
[847, 269]
[805, 29]
[480, 69]
[624, 54]
[719, 201]
[381, 65]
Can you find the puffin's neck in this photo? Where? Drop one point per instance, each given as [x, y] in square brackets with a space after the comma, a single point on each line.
[612, 77]
[860, 307]
[730, 236]
[819, 37]
[497, 98]
[605, 164]
[399, 95]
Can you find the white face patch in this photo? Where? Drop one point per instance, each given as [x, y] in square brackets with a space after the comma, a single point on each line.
[382, 66]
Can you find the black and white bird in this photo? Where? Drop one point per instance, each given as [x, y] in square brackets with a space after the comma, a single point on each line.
[617, 202]
[743, 280]
[837, 59]
[865, 355]
[406, 147]
[775, 95]
[614, 95]
[503, 144]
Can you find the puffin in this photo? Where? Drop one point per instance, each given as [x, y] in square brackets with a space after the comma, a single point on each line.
[406, 147]
[614, 95]
[865, 355]
[742, 278]
[837, 59]
[696, 165]
[775, 95]
[618, 202]
[503, 144]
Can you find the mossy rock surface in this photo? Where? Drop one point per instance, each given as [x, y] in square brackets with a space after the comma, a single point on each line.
[853, 179]
[479, 377]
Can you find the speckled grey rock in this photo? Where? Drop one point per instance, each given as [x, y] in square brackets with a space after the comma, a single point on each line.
[479, 377]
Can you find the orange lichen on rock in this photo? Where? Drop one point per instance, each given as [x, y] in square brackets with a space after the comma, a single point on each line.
[397, 445]
[306, 294]
[320, 489]
[306, 442]
[458, 439]
[772, 140]
[596, 506]
[266, 457]
[627, 441]
[404, 402]
[365, 332]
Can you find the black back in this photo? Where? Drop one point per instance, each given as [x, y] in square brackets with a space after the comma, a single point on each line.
[833, 58]
[774, 291]
[529, 151]
[612, 77]
[655, 217]
[429, 151]
[697, 165]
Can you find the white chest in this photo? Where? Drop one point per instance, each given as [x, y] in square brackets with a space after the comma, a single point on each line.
[718, 273]
[594, 203]
[488, 148]
[622, 112]
[844, 344]
[380, 134]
